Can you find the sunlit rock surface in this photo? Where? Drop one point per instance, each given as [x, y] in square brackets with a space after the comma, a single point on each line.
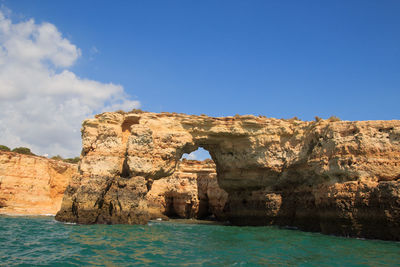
[32, 185]
[337, 177]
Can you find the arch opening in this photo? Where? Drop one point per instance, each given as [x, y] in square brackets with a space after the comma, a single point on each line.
[192, 191]
[199, 154]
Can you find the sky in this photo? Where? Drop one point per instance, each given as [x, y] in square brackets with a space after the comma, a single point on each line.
[64, 61]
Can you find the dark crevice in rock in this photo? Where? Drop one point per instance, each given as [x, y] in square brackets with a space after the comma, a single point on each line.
[110, 209]
[118, 202]
[100, 201]
[74, 209]
[149, 183]
[126, 173]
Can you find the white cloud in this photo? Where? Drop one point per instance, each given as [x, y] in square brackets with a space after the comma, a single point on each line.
[191, 156]
[42, 103]
[199, 154]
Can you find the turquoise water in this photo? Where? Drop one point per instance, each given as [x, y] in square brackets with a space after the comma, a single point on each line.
[43, 241]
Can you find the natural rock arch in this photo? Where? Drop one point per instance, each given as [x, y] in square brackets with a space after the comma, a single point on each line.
[286, 172]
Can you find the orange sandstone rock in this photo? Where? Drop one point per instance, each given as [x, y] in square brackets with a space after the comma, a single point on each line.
[192, 191]
[329, 176]
[32, 185]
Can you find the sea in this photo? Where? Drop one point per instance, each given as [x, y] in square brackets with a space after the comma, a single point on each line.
[42, 241]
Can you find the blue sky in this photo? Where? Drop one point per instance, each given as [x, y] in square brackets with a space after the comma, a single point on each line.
[275, 58]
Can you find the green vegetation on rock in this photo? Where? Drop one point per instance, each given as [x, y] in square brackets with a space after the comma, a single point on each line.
[27, 151]
[58, 157]
[68, 160]
[72, 160]
[23, 150]
[4, 148]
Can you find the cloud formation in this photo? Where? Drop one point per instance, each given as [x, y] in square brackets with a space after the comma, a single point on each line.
[42, 103]
[199, 154]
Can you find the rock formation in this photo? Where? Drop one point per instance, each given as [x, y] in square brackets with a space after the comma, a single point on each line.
[32, 185]
[337, 177]
[192, 191]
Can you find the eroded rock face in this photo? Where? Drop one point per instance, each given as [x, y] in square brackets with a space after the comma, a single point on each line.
[192, 191]
[106, 200]
[286, 172]
[32, 185]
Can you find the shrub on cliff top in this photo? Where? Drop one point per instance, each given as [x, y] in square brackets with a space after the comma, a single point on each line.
[330, 119]
[58, 157]
[137, 111]
[72, 160]
[4, 148]
[333, 118]
[23, 150]
[68, 160]
[294, 119]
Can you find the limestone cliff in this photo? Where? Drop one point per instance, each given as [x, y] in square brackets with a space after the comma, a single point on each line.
[32, 185]
[192, 191]
[337, 177]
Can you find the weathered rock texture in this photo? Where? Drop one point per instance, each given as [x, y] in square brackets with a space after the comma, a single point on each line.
[337, 177]
[192, 191]
[32, 185]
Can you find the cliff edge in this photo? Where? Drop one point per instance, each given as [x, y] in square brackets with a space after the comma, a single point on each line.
[32, 185]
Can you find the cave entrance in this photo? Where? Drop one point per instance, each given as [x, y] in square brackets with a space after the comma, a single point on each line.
[190, 192]
[194, 174]
[169, 207]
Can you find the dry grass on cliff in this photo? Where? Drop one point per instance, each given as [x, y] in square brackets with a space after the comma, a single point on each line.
[330, 119]
[134, 111]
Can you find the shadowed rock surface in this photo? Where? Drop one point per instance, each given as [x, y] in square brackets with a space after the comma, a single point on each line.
[192, 191]
[337, 177]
